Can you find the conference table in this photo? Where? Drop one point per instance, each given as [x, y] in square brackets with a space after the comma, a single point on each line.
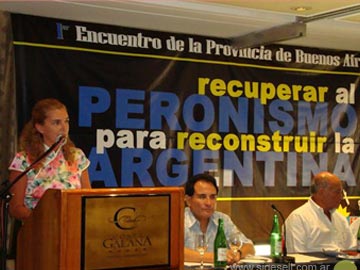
[304, 261]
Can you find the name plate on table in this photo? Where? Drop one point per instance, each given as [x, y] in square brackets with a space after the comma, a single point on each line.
[124, 231]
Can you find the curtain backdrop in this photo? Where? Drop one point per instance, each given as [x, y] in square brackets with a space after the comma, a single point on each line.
[8, 126]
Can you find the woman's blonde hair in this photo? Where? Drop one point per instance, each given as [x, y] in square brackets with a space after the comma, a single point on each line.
[31, 141]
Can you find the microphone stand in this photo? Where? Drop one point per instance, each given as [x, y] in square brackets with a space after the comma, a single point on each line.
[5, 197]
[284, 258]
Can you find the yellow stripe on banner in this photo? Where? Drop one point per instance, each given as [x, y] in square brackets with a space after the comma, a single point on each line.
[183, 59]
[224, 199]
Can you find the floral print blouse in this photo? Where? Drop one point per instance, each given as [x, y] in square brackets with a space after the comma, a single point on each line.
[56, 173]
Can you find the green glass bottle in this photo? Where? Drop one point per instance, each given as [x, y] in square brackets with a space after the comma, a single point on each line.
[220, 246]
[275, 239]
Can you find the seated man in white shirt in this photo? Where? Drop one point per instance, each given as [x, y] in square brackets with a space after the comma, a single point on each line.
[316, 225]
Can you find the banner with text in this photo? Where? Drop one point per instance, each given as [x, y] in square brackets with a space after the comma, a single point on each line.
[152, 108]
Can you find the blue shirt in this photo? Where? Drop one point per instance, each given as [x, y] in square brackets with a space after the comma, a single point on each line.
[192, 227]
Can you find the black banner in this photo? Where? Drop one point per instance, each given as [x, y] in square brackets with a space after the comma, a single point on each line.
[152, 108]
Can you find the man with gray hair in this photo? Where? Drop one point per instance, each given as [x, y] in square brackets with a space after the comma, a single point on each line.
[316, 225]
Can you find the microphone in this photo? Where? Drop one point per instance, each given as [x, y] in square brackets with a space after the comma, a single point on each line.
[60, 141]
[60, 138]
[284, 258]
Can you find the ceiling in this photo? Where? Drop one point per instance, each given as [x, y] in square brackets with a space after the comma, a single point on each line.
[215, 18]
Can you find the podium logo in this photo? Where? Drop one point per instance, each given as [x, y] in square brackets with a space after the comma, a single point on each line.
[126, 218]
[128, 243]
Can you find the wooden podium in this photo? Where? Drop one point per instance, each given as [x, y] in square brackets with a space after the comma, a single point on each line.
[118, 228]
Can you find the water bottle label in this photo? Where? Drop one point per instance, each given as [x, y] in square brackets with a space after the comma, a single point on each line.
[221, 254]
[275, 246]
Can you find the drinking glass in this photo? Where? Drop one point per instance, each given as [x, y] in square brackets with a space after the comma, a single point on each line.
[201, 246]
[235, 242]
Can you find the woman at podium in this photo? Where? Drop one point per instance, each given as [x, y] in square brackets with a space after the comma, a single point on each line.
[48, 156]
